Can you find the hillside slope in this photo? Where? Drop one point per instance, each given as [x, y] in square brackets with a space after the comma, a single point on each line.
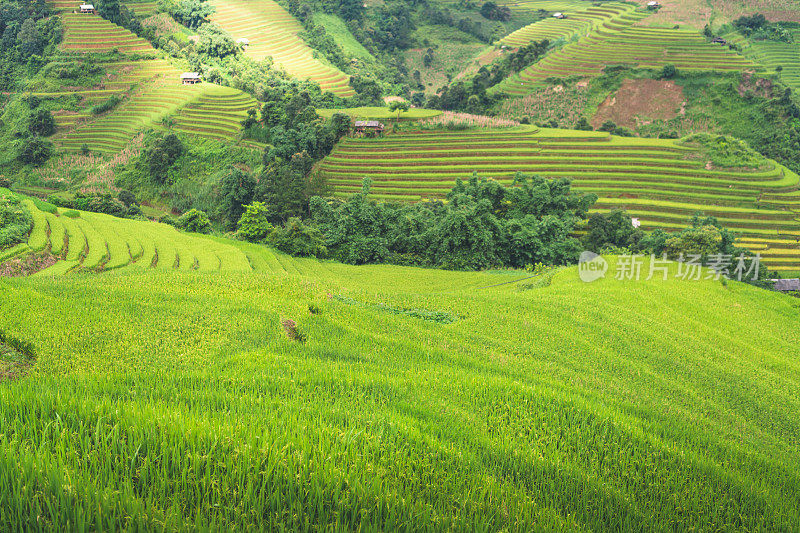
[272, 32]
[171, 399]
[660, 181]
[614, 39]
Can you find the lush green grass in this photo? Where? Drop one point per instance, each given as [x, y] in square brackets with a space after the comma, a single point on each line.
[164, 399]
[337, 29]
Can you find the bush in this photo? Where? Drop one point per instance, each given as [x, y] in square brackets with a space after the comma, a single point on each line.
[195, 221]
[47, 207]
[71, 213]
[161, 155]
[15, 221]
[297, 238]
[41, 122]
[35, 151]
[108, 105]
[254, 225]
[668, 72]
[100, 203]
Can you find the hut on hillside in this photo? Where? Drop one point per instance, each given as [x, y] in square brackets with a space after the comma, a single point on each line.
[366, 127]
[87, 8]
[635, 222]
[190, 78]
[719, 40]
[243, 42]
[559, 15]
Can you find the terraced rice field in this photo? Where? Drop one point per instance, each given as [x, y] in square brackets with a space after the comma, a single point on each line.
[141, 8]
[579, 21]
[110, 133]
[773, 55]
[92, 34]
[122, 78]
[216, 114]
[272, 32]
[95, 241]
[658, 181]
[98, 242]
[617, 41]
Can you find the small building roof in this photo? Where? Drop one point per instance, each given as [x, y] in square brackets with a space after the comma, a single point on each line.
[243, 40]
[558, 15]
[653, 3]
[635, 222]
[87, 6]
[190, 75]
[787, 284]
[368, 124]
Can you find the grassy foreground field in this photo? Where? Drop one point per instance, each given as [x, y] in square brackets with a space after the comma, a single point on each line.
[164, 399]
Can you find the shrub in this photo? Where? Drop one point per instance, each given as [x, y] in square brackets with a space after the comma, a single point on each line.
[15, 221]
[297, 238]
[35, 151]
[668, 72]
[41, 122]
[254, 225]
[195, 221]
[71, 213]
[47, 207]
[99, 203]
[108, 105]
[161, 155]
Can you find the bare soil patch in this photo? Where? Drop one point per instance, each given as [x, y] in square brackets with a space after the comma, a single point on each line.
[27, 265]
[640, 102]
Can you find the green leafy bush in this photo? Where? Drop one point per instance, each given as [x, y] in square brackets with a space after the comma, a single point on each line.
[726, 151]
[41, 122]
[15, 221]
[297, 238]
[254, 225]
[195, 221]
[35, 151]
[108, 105]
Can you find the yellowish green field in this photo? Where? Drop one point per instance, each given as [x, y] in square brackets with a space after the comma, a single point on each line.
[272, 32]
[173, 399]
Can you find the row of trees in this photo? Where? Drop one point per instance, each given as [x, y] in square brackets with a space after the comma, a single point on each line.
[471, 96]
[482, 224]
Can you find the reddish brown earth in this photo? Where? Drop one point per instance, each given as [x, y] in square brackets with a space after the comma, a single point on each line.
[639, 102]
[26, 265]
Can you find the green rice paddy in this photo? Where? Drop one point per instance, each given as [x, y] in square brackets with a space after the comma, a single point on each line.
[171, 398]
[610, 37]
[272, 32]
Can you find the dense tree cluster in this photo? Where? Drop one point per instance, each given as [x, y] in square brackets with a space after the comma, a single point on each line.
[704, 237]
[492, 11]
[758, 28]
[190, 13]
[471, 96]
[27, 31]
[160, 154]
[483, 224]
